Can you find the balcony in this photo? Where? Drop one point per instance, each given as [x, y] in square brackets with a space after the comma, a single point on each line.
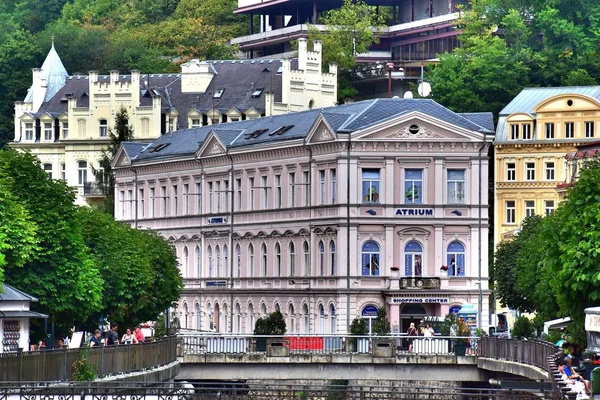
[419, 283]
[91, 189]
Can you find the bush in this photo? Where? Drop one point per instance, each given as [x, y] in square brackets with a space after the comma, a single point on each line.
[272, 324]
[523, 328]
[83, 371]
[359, 326]
[381, 325]
[450, 320]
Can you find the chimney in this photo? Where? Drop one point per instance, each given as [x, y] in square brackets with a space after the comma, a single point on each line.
[114, 76]
[93, 76]
[317, 46]
[135, 87]
[196, 76]
[38, 88]
[302, 53]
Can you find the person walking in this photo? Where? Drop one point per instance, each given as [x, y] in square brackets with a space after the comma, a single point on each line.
[412, 331]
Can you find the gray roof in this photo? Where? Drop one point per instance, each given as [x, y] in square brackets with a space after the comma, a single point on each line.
[342, 119]
[529, 98]
[21, 314]
[9, 293]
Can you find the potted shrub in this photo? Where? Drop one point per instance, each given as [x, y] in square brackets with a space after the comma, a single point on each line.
[272, 324]
[358, 327]
[444, 271]
[460, 346]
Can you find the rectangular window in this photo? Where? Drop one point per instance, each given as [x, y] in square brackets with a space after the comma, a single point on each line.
[238, 195]
[550, 171]
[292, 199]
[163, 195]
[141, 203]
[130, 204]
[48, 132]
[210, 197]
[526, 131]
[122, 203]
[196, 122]
[65, 130]
[511, 172]
[152, 202]
[548, 207]
[28, 131]
[251, 194]
[530, 171]
[569, 130]
[510, 212]
[186, 199]
[589, 129]
[413, 190]
[198, 196]
[456, 186]
[226, 194]
[529, 208]
[322, 186]
[370, 185]
[278, 191]
[514, 132]
[48, 169]
[549, 130]
[265, 192]
[218, 195]
[63, 171]
[306, 185]
[333, 185]
[175, 200]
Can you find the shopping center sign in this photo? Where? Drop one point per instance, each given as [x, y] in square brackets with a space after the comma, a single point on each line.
[419, 300]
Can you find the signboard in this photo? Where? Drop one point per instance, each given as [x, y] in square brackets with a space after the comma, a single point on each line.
[216, 283]
[415, 212]
[420, 300]
[217, 220]
[592, 322]
[454, 309]
[369, 311]
[76, 339]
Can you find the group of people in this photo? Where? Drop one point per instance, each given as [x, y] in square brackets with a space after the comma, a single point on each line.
[112, 337]
[423, 330]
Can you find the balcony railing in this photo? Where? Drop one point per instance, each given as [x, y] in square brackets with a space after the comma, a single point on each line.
[91, 189]
[419, 283]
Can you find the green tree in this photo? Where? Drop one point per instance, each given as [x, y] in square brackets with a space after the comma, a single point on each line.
[105, 177]
[382, 324]
[60, 272]
[359, 326]
[272, 324]
[523, 328]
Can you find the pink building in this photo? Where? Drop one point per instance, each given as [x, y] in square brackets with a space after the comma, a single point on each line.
[325, 214]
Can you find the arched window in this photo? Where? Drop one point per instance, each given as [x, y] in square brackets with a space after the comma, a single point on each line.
[413, 259]
[292, 325]
[238, 318]
[306, 258]
[370, 259]
[238, 260]
[186, 262]
[332, 257]
[250, 318]
[456, 259]
[185, 315]
[198, 316]
[226, 260]
[218, 261]
[210, 262]
[198, 261]
[292, 262]
[305, 318]
[277, 260]
[332, 320]
[103, 128]
[82, 172]
[321, 258]
[263, 259]
[277, 308]
[263, 310]
[321, 318]
[251, 261]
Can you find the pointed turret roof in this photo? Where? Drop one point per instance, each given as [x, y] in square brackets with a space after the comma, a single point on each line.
[54, 72]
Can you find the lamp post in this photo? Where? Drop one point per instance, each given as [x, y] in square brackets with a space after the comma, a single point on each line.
[399, 74]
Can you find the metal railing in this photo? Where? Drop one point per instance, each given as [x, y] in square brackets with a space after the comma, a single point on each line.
[531, 352]
[212, 343]
[261, 391]
[57, 365]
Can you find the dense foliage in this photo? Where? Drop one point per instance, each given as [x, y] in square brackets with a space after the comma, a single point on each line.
[523, 328]
[79, 262]
[272, 324]
[149, 35]
[510, 44]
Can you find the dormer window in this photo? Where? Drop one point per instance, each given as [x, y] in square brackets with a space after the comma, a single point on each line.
[218, 93]
[526, 131]
[196, 122]
[549, 130]
[257, 92]
[48, 131]
[29, 131]
[514, 132]
[103, 128]
[65, 130]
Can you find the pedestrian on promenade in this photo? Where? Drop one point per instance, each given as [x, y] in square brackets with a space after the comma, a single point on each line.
[139, 335]
[95, 339]
[412, 331]
[129, 338]
[113, 335]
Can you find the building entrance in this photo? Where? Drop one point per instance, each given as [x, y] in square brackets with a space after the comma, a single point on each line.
[411, 313]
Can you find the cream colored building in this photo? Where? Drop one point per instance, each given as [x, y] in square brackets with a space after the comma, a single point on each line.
[535, 132]
[65, 119]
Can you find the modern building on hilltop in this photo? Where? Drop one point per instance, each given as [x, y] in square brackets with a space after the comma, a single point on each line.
[420, 29]
[64, 119]
[535, 132]
[324, 214]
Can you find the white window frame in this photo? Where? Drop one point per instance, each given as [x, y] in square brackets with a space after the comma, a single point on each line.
[460, 192]
[511, 214]
[511, 171]
[526, 129]
[529, 208]
[549, 207]
[529, 172]
[549, 170]
[514, 132]
[549, 130]
[48, 131]
[29, 131]
[589, 129]
[103, 128]
[569, 130]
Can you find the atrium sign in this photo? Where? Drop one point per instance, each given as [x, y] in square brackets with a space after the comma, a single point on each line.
[415, 212]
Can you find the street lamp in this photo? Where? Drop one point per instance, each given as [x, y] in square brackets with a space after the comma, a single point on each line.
[399, 74]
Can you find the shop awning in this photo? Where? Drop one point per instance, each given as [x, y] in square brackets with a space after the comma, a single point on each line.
[21, 314]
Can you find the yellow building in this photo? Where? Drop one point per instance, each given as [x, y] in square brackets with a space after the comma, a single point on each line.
[535, 132]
